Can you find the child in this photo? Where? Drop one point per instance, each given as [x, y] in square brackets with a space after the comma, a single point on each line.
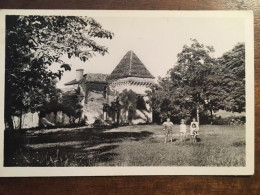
[183, 130]
[194, 128]
[168, 127]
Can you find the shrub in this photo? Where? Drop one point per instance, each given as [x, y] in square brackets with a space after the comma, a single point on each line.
[72, 106]
[100, 123]
[232, 120]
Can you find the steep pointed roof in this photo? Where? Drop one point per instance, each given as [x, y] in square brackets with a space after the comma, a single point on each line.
[130, 66]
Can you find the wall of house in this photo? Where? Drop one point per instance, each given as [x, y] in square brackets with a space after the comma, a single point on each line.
[93, 109]
[141, 116]
[138, 89]
[136, 84]
[93, 87]
[29, 120]
[32, 120]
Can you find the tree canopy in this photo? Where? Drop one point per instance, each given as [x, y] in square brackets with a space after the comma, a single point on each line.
[199, 83]
[128, 98]
[33, 43]
[232, 65]
[72, 105]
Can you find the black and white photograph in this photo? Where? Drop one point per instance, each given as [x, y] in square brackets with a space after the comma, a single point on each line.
[90, 92]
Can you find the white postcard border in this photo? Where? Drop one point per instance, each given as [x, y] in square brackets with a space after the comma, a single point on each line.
[124, 171]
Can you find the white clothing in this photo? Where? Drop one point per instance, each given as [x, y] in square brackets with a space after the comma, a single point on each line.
[183, 128]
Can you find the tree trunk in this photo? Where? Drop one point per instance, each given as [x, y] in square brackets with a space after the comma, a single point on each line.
[118, 117]
[73, 120]
[21, 118]
[211, 116]
[127, 117]
[9, 122]
[198, 115]
[70, 120]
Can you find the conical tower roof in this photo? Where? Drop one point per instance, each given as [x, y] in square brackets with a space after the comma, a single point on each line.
[130, 66]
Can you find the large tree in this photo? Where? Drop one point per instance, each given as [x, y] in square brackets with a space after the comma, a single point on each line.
[163, 101]
[197, 79]
[200, 83]
[192, 86]
[33, 43]
[232, 66]
[128, 100]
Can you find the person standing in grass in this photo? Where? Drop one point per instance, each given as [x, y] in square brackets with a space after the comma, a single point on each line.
[168, 128]
[194, 128]
[183, 130]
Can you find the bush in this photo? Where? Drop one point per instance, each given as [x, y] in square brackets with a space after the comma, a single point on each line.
[71, 105]
[220, 121]
[100, 123]
[232, 120]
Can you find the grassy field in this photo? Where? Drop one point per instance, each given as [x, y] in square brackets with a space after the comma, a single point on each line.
[138, 145]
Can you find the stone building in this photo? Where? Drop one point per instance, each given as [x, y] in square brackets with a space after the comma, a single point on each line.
[101, 90]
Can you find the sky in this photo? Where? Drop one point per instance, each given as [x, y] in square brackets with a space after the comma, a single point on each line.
[157, 41]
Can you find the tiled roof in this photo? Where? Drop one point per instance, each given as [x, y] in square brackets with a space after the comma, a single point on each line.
[95, 77]
[130, 66]
[89, 78]
[73, 82]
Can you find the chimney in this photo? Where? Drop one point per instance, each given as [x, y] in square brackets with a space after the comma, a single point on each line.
[79, 74]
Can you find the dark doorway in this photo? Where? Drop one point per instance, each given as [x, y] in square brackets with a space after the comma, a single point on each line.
[156, 117]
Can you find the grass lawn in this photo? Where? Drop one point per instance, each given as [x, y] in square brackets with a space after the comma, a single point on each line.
[137, 145]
